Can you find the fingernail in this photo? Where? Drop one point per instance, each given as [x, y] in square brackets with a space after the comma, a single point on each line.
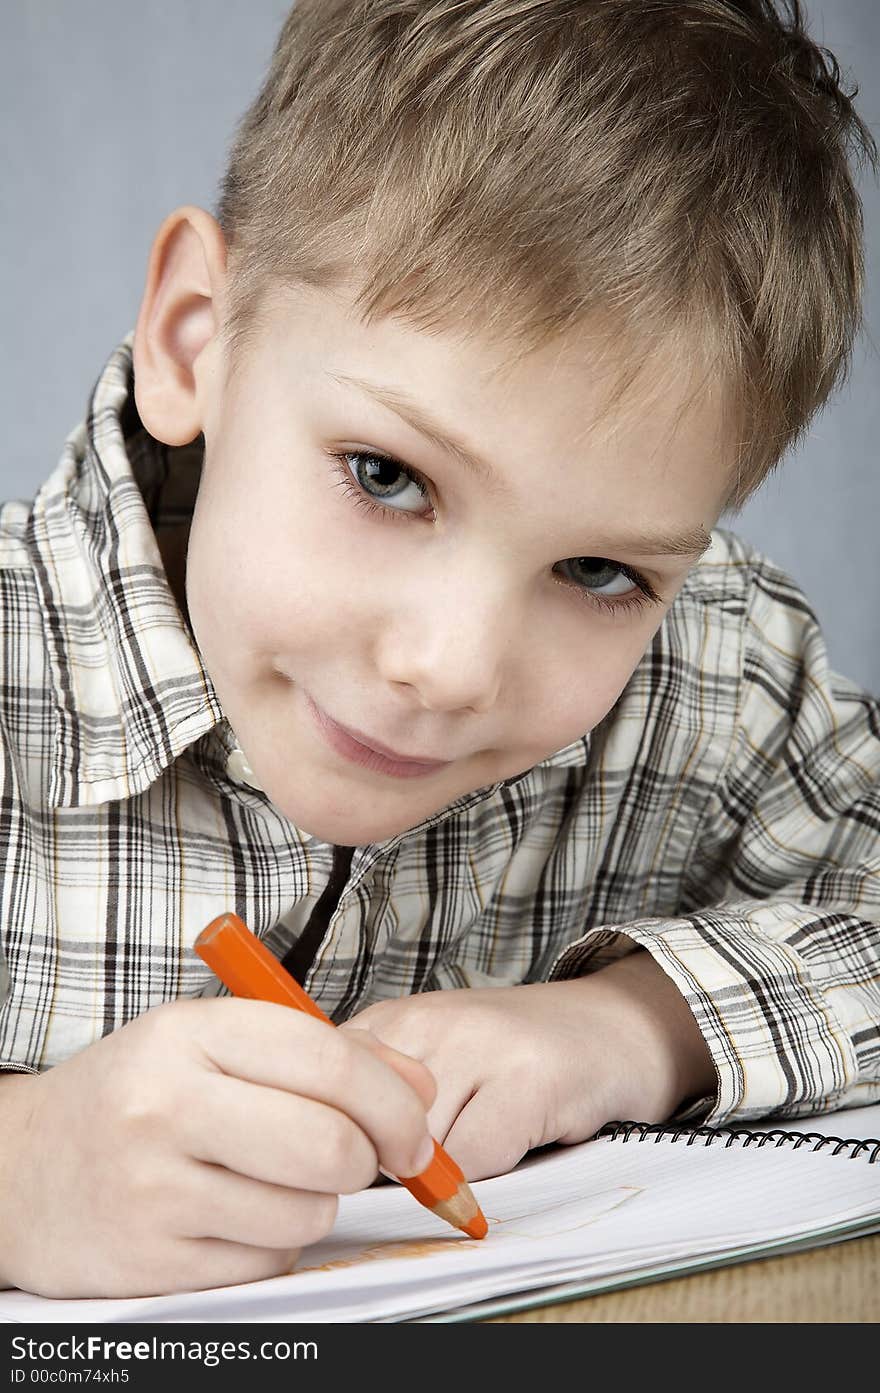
[424, 1155]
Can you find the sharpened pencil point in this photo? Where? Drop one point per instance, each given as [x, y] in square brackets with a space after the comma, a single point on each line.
[477, 1228]
[462, 1211]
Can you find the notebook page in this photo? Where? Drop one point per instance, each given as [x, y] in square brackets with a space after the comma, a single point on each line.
[589, 1211]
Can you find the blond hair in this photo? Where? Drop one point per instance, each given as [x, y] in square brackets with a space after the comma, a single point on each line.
[666, 167]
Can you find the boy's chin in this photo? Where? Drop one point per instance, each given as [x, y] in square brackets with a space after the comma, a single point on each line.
[347, 828]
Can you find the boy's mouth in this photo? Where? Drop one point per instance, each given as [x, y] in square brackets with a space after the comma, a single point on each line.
[362, 749]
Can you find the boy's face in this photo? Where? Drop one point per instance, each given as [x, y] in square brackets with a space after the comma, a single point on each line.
[483, 624]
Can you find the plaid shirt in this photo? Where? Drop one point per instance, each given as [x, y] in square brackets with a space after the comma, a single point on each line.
[725, 814]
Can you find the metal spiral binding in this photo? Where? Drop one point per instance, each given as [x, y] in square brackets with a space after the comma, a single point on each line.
[816, 1141]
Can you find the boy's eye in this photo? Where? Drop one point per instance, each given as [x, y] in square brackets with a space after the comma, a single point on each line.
[597, 573]
[382, 479]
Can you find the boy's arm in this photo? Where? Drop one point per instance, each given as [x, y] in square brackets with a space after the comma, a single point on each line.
[13, 1118]
[778, 952]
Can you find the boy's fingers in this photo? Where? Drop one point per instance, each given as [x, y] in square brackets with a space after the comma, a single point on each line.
[276, 1047]
[268, 1135]
[452, 1098]
[219, 1204]
[484, 1137]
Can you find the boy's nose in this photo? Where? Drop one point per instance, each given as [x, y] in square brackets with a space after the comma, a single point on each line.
[455, 654]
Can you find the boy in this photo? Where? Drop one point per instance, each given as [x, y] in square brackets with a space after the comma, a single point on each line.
[377, 599]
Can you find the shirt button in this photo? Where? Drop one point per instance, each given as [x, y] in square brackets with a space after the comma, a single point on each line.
[238, 769]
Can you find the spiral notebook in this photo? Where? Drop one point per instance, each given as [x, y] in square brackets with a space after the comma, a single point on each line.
[636, 1203]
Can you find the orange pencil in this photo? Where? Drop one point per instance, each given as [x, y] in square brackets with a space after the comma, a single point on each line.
[248, 969]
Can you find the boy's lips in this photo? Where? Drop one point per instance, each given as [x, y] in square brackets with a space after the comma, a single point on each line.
[351, 741]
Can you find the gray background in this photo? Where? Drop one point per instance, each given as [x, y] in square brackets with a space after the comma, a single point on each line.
[112, 114]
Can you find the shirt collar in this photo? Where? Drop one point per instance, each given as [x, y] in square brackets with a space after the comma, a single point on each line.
[131, 691]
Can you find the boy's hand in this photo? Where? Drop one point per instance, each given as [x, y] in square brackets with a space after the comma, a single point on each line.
[203, 1144]
[518, 1067]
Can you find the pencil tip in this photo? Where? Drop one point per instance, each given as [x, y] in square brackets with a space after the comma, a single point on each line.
[477, 1227]
[462, 1211]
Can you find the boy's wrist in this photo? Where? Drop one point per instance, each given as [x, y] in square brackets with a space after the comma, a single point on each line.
[670, 1060]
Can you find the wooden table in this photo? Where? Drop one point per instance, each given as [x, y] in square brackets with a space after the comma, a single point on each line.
[834, 1284]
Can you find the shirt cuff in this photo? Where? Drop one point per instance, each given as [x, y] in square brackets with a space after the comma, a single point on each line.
[775, 1044]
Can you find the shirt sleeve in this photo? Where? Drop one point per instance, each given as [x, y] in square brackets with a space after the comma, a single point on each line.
[777, 948]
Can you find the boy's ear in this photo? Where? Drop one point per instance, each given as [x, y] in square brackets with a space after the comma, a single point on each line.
[179, 315]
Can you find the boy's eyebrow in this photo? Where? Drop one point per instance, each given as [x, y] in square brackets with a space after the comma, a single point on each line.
[398, 400]
[691, 542]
